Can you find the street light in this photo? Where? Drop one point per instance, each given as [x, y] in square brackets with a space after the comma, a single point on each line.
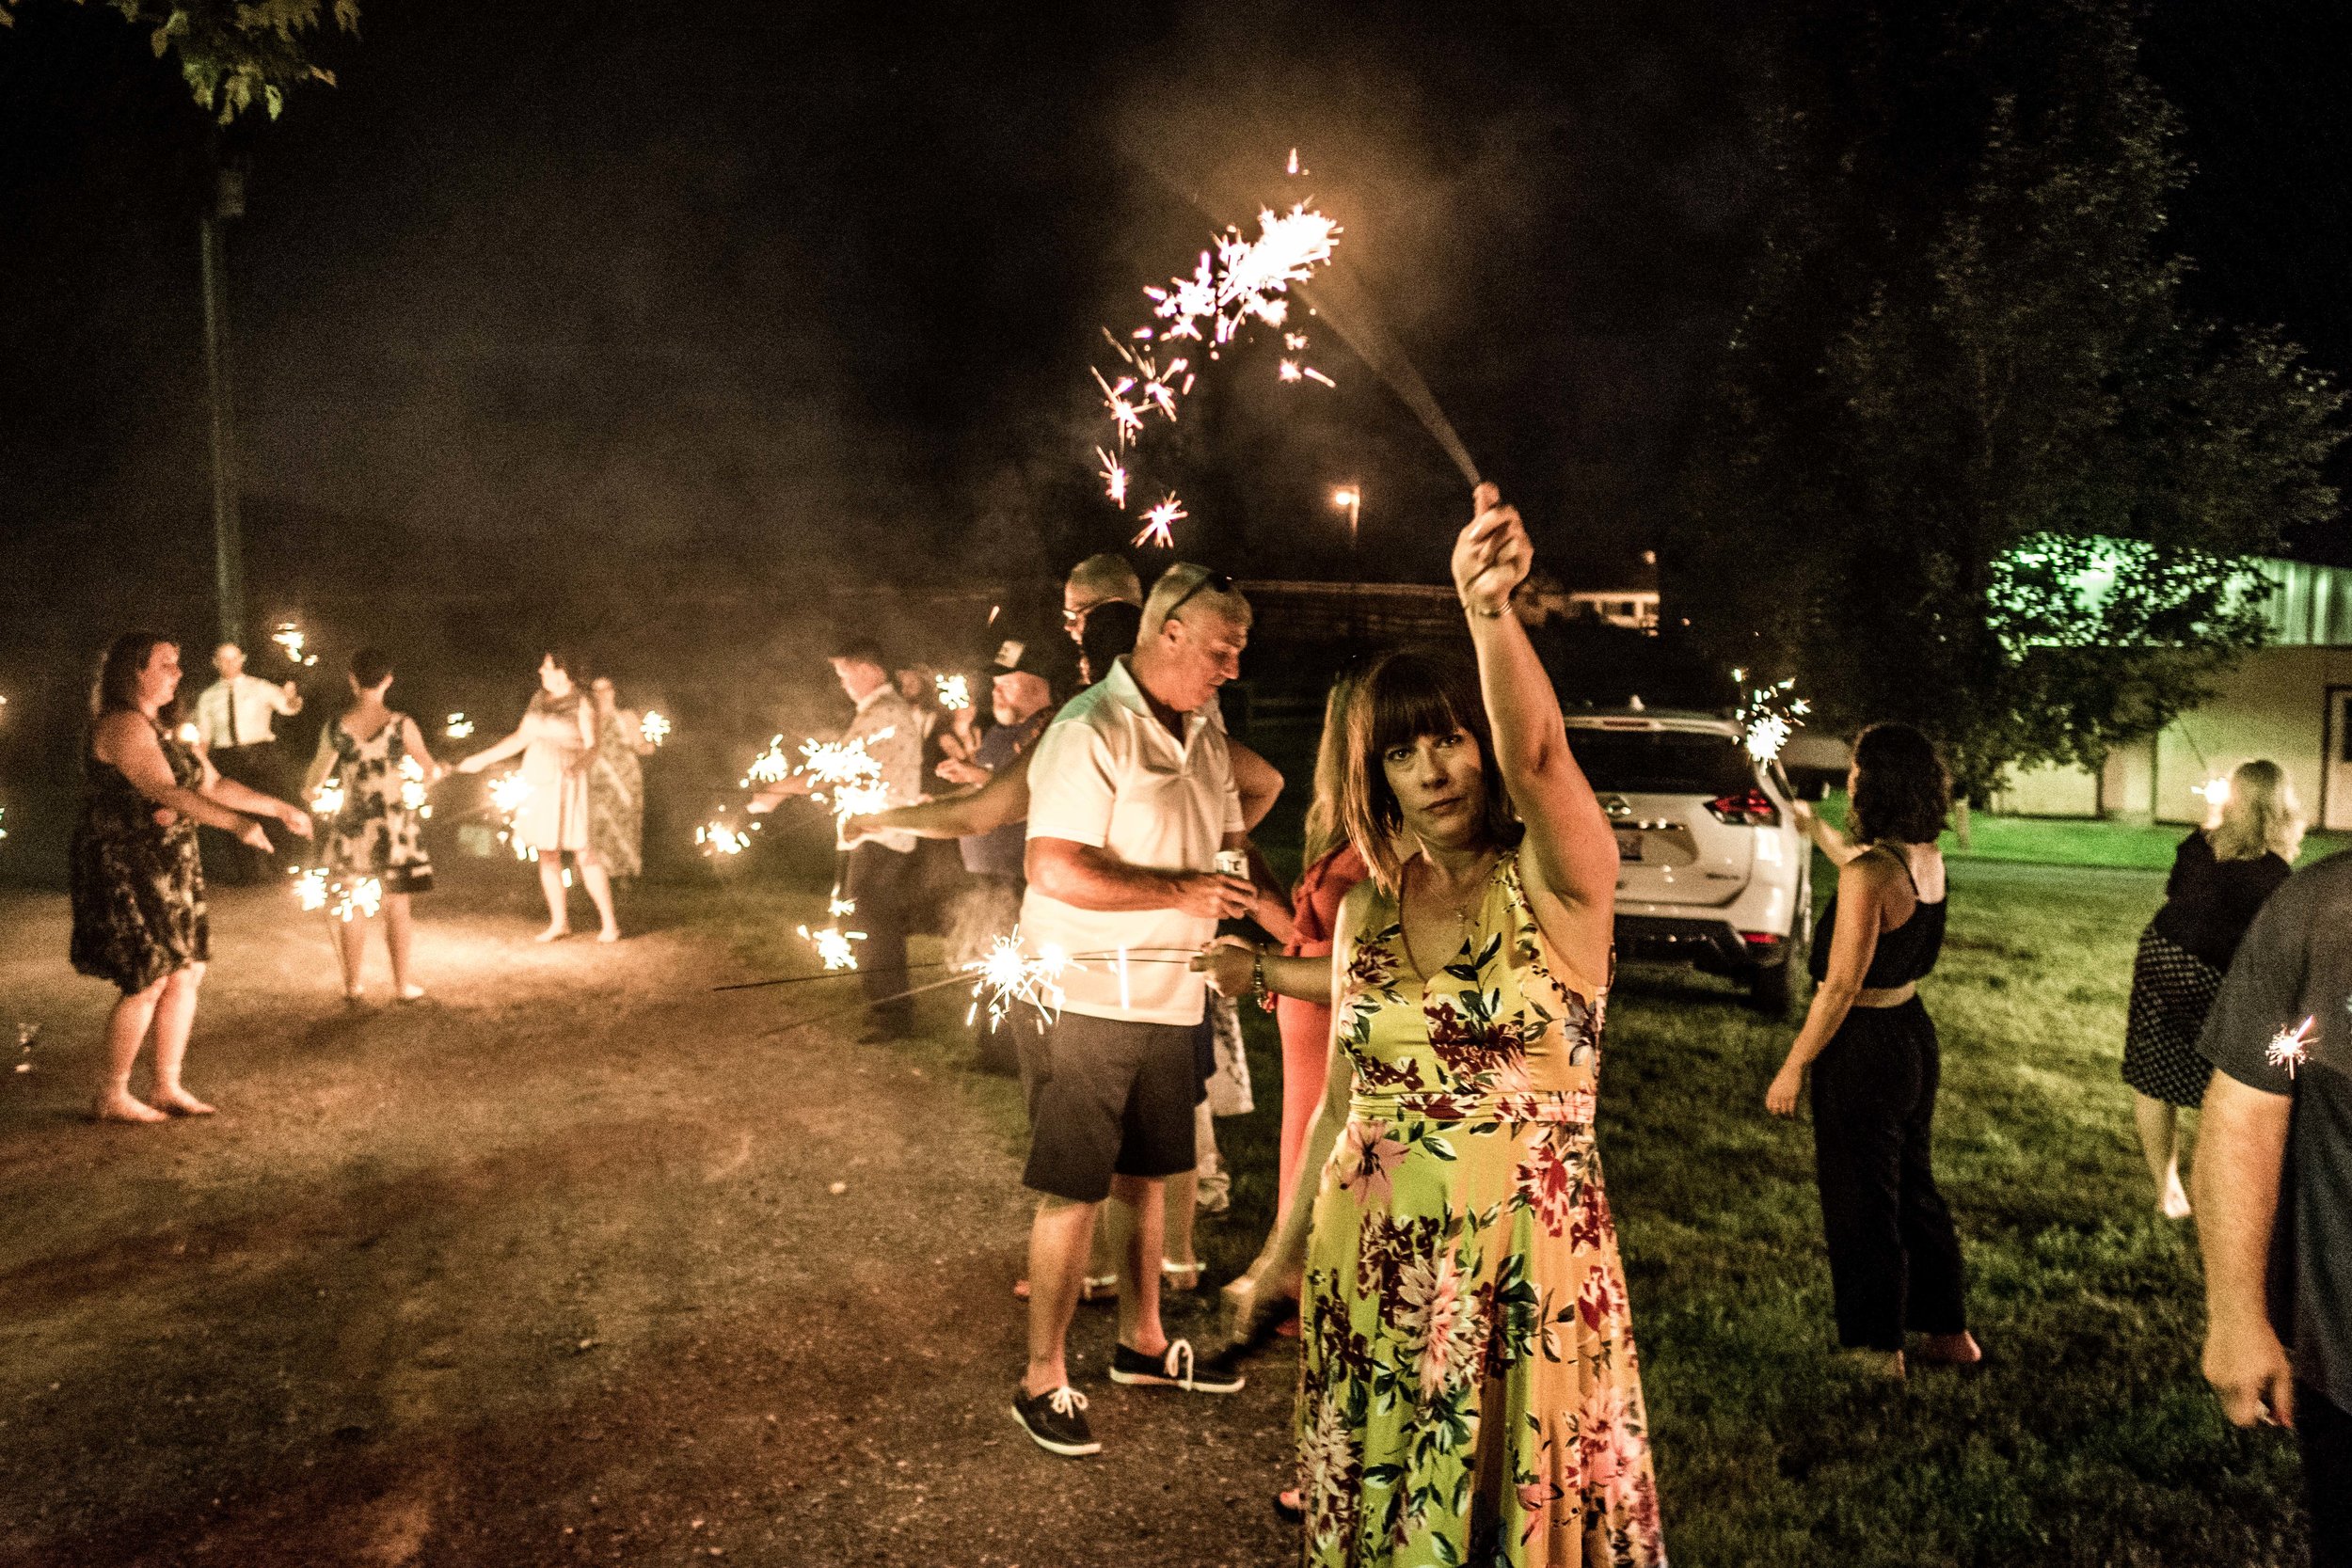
[1350, 498]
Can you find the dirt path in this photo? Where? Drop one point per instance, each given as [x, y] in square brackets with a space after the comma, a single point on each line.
[548, 1269]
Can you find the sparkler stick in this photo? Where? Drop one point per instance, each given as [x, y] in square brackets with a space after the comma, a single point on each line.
[861, 1006]
[835, 974]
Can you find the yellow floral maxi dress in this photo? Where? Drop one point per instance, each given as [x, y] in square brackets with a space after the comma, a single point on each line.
[1468, 1392]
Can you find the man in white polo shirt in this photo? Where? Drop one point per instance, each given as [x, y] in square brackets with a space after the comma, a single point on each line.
[1131, 797]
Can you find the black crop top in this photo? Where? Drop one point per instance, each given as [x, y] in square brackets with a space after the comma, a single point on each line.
[1905, 954]
[2209, 903]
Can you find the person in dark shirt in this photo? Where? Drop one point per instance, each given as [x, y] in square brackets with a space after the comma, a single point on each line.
[2274, 1188]
[1894, 1257]
[2220, 876]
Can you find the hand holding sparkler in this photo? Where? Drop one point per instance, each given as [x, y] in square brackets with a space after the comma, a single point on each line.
[1491, 556]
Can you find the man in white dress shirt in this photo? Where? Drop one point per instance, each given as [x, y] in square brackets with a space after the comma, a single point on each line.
[236, 720]
[1131, 798]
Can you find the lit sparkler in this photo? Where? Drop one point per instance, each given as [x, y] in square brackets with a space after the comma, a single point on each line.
[344, 901]
[955, 692]
[412, 796]
[719, 838]
[2290, 1049]
[1008, 979]
[2213, 792]
[1768, 716]
[833, 945]
[188, 735]
[4, 817]
[508, 792]
[845, 773]
[771, 767]
[290, 638]
[653, 727]
[458, 727]
[1157, 521]
[327, 800]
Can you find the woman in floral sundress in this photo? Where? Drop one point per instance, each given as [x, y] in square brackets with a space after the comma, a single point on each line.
[1469, 1389]
[375, 833]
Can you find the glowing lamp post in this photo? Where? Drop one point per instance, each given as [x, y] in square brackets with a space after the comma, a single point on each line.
[1350, 500]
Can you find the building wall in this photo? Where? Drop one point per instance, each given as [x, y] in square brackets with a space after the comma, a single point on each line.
[2274, 704]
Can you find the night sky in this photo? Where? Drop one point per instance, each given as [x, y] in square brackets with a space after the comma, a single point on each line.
[733, 294]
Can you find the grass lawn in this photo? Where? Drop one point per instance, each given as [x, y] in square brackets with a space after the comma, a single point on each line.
[2087, 1439]
[2070, 841]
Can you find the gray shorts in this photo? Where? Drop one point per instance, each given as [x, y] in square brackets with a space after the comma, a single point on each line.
[1107, 1097]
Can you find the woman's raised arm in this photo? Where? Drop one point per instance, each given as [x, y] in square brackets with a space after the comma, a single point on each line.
[1570, 860]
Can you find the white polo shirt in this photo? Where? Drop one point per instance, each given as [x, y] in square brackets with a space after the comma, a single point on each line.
[1108, 774]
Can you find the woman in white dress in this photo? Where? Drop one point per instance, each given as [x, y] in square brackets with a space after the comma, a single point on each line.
[558, 743]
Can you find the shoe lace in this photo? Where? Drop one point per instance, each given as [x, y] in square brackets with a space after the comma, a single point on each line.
[1065, 1401]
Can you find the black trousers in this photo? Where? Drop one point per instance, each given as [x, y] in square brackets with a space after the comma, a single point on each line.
[226, 861]
[886, 885]
[2324, 1432]
[1894, 1260]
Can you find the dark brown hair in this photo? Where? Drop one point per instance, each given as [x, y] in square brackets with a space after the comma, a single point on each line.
[1901, 790]
[116, 687]
[1404, 697]
[369, 666]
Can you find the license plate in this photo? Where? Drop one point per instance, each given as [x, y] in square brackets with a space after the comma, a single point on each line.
[1629, 847]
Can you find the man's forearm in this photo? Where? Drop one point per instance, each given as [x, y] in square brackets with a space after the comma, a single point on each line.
[1090, 879]
[2241, 1156]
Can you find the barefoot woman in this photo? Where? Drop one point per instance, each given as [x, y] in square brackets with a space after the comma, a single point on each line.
[1469, 1389]
[138, 892]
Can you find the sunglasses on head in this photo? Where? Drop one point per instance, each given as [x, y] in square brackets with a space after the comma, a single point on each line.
[1212, 582]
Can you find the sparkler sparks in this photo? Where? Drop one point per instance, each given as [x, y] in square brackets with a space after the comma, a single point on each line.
[458, 727]
[653, 727]
[719, 838]
[290, 638]
[2290, 1049]
[1157, 521]
[1114, 477]
[771, 767]
[848, 773]
[955, 692]
[1768, 716]
[1008, 979]
[341, 900]
[1239, 281]
[833, 945]
[327, 800]
[412, 787]
[508, 792]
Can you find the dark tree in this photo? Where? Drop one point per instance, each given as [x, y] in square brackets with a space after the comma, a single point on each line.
[236, 54]
[1973, 464]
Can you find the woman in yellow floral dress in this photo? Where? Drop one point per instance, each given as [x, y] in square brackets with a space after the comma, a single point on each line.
[1470, 1392]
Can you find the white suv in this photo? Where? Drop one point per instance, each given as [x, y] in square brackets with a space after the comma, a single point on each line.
[1712, 870]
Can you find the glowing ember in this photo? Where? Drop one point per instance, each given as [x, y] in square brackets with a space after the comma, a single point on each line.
[508, 792]
[1768, 716]
[653, 727]
[846, 774]
[458, 727]
[1293, 164]
[327, 800]
[833, 945]
[311, 888]
[4, 817]
[1157, 521]
[2213, 792]
[955, 692]
[1288, 371]
[837, 906]
[2290, 1049]
[188, 735]
[341, 900]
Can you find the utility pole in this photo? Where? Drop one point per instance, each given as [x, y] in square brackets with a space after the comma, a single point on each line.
[228, 201]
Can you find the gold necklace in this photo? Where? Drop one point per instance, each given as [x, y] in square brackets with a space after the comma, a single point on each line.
[1462, 907]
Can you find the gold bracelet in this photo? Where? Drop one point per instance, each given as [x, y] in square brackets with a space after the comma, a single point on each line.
[1257, 983]
[1485, 614]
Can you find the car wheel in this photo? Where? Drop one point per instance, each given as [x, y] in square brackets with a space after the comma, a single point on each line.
[1775, 990]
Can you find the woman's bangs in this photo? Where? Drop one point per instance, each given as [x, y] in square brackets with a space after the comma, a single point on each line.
[1408, 700]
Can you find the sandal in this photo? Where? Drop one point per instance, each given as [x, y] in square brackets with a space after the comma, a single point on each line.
[1092, 1288]
[1180, 1277]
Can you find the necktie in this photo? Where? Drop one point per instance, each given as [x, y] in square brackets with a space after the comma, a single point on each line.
[232, 714]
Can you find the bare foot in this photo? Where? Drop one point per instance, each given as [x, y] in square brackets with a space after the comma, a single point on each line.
[411, 993]
[122, 1105]
[1951, 1350]
[610, 933]
[553, 933]
[180, 1103]
[2173, 1204]
[1887, 1364]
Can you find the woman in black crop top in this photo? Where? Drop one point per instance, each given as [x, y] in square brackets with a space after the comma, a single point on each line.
[2221, 877]
[1893, 1258]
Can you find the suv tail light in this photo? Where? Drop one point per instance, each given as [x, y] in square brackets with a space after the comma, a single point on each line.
[1753, 809]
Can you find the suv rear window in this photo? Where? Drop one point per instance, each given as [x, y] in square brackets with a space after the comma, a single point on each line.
[1663, 762]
